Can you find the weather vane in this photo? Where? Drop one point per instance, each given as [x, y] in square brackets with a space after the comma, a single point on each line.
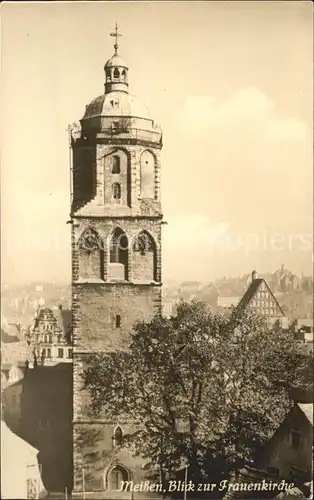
[116, 34]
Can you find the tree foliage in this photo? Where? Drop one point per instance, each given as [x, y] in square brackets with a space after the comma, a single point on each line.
[203, 389]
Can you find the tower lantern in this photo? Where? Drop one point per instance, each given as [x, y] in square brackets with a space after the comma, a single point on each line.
[116, 70]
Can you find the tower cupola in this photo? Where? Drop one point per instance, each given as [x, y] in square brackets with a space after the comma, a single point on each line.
[116, 70]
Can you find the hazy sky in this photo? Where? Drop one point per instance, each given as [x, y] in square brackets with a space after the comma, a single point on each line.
[231, 85]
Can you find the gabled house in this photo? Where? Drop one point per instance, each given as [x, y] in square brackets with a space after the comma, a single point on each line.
[286, 459]
[260, 299]
[50, 336]
[289, 451]
[20, 471]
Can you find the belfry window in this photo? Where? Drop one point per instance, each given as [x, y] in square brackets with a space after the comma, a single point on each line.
[143, 243]
[116, 191]
[116, 73]
[119, 249]
[116, 165]
[144, 257]
[108, 75]
[91, 258]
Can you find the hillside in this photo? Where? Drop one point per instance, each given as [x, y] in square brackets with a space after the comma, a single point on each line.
[293, 293]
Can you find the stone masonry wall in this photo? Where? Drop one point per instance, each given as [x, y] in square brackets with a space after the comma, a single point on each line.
[98, 301]
[98, 305]
[132, 204]
[95, 454]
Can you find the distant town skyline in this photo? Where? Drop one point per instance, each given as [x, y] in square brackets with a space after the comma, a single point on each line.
[235, 107]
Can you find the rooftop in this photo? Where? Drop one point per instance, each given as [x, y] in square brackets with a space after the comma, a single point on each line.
[307, 409]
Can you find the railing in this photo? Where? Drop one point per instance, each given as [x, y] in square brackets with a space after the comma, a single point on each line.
[131, 134]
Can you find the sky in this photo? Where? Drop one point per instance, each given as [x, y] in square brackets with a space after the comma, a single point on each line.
[231, 85]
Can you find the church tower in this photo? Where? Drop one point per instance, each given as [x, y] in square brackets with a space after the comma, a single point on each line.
[116, 260]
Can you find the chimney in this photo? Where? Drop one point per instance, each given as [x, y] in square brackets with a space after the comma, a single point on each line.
[254, 275]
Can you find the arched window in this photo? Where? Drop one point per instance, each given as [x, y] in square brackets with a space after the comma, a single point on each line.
[116, 73]
[108, 75]
[116, 165]
[116, 475]
[117, 436]
[119, 254]
[147, 175]
[144, 243]
[123, 75]
[91, 255]
[116, 191]
[144, 257]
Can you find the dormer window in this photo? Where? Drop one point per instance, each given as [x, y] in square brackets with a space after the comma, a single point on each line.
[114, 103]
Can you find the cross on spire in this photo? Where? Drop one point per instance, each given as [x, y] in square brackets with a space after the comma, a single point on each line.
[116, 34]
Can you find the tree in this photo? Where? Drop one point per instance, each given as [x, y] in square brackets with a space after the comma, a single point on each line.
[201, 388]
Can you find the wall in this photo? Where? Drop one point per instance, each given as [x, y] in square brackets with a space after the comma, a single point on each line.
[96, 306]
[12, 405]
[104, 229]
[97, 200]
[84, 174]
[46, 422]
[94, 452]
[102, 293]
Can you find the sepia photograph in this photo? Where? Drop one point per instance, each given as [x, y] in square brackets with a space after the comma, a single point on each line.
[157, 250]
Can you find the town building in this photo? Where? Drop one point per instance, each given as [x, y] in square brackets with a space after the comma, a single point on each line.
[259, 299]
[20, 472]
[168, 309]
[16, 356]
[50, 336]
[46, 422]
[225, 305]
[303, 329]
[286, 457]
[116, 221]
[289, 451]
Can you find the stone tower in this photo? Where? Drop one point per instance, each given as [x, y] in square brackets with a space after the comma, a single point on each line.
[116, 259]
